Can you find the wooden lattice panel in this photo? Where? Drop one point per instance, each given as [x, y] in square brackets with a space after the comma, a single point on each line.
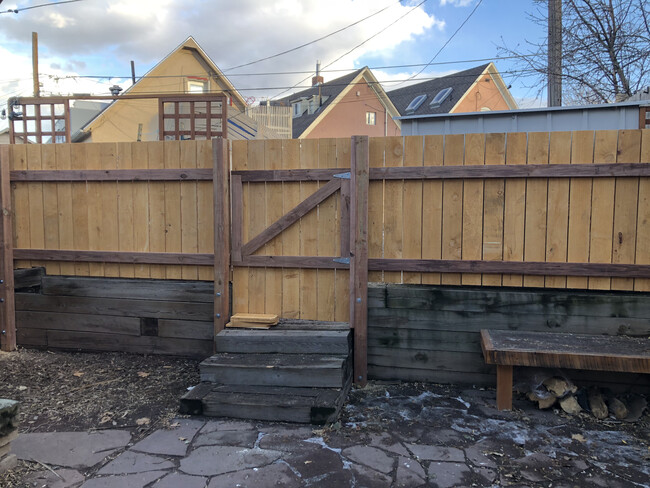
[35, 120]
[192, 117]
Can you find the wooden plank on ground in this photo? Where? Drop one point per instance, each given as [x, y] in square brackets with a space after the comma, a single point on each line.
[452, 207]
[473, 194]
[393, 208]
[514, 216]
[493, 207]
[582, 152]
[602, 207]
[412, 207]
[342, 276]
[643, 218]
[558, 208]
[308, 234]
[536, 206]
[432, 207]
[625, 207]
[291, 236]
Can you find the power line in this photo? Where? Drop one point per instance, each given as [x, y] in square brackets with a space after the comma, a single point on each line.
[16, 10]
[448, 40]
[312, 42]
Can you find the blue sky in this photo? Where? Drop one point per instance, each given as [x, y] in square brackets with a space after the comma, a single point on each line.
[100, 37]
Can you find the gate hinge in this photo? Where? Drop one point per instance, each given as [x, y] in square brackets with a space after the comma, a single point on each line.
[343, 176]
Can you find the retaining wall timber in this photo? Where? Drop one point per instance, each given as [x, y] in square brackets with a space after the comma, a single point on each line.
[114, 314]
[431, 333]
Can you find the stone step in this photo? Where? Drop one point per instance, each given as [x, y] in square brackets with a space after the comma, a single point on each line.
[290, 370]
[284, 340]
[281, 404]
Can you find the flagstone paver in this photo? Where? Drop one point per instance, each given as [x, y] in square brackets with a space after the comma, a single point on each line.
[370, 456]
[171, 442]
[135, 462]
[178, 480]
[213, 460]
[410, 473]
[138, 480]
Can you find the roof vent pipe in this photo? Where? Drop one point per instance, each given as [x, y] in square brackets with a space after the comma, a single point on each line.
[318, 79]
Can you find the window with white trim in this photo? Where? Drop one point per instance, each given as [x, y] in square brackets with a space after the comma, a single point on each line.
[371, 118]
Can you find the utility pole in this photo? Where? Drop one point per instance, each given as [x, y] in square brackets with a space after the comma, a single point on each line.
[554, 53]
[37, 90]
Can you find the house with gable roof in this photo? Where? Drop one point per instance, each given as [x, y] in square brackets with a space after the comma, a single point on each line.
[354, 104]
[478, 89]
[186, 70]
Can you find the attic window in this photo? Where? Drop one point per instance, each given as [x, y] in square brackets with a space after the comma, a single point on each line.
[197, 85]
[297, 109]
[415, 104]
[440, 97]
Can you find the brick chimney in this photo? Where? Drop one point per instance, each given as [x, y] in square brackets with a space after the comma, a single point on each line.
[318, 79]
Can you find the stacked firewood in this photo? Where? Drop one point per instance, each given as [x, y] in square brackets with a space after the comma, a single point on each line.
[562, 392]
[8, 432]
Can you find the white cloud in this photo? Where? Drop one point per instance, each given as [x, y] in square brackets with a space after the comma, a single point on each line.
[456, 3]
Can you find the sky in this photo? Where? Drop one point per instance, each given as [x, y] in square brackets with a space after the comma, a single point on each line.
[86, 46]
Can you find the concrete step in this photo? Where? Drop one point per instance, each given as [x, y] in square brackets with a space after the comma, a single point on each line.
[284, 340]
[288, 370]
[302, 405]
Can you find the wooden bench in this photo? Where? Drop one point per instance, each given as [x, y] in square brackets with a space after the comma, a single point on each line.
[507, 348]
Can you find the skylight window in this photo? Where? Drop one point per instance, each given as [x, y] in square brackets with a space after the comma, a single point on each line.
[415, 104]
[440, 97]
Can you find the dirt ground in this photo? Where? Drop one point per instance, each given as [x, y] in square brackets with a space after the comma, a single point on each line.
[528, 447]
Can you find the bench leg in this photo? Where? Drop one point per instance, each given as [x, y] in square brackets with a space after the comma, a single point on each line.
[504, 387]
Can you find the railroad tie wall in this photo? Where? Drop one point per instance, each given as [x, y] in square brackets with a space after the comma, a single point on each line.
[142, 316]
[431, 333]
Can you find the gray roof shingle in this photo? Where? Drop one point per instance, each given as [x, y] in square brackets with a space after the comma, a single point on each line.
[460, 82]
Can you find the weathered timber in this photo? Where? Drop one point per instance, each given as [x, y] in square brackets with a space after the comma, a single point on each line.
[31, 337]
[7, 304]
[221, 214]
[59, 175]
[431, 375]
[292, 370]
[78, 322]
[115, 256]
[186, 329]
[133, 289]
[192, 401]
[304, 405]
[574, 351]
[28, 278]
[427, 360]
[114, 306]
[279, 340]
[424, 339]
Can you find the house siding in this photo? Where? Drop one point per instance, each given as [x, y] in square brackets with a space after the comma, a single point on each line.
[348, 116]
[484, 93]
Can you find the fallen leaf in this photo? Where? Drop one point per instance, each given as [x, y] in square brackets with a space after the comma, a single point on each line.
[578, 437]
[308, 462]
[182, 438]
[142, 374]
[174, 425]
[143, 421]
[78, 374]
[22, 388]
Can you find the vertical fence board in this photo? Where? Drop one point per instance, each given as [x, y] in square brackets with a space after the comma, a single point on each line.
[582, 152]
[412, 205]
[291, 236]
[328, 235]
[7, 306]
[50, 207]
[257, 216]
[273, 160]
[125, 208]
[514, 217]
[432, 207]
[342, 276]
[189, 210]
[221, 225]
[602, 207]
[240, 274]
[375, 206]
[536, 200]
[173, 240]
[205, 208]
[155, 155]
[36, 210]
[393, 210]
[643, 219]
[558, 207]
[308, 234]
[109, 232]
[141, 209]
[473, 191]
[493, 207]
[64, 201]
[20, 201]
[625, 207]
[94, 210]
[452, 206]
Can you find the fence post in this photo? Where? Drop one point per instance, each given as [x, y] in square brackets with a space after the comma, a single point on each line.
[221, 172]
[359, 255]
[7, 305]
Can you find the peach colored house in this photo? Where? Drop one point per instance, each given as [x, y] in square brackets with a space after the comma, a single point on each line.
[478, 89]
[354, 104]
